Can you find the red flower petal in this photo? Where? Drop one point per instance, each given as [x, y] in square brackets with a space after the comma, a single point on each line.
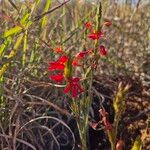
[102, 50]
[105, 120]
[81, 54]
[76, 63]
[59, 64]
[67, 88]
[94, 125]
[73, 87]
[74, 91]
[95, 35]
[57, 78]
[74, 80]
[88, 25]
[63, 59]
[56, 66]
[58, 50]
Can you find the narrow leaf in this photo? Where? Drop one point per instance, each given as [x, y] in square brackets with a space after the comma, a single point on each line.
[24, 19]
[24, 48]
[137, 144]
[44, 20]
[5, 45]
[11, 55]
[12, 31]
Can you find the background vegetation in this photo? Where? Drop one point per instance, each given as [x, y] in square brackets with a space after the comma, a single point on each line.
[29, 33]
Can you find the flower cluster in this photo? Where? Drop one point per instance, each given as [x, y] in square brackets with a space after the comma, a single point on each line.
[58, 49]
[73, 83]
[58, 65]
[74, 87]
[105, 121]
[66, 64]
[80, 56]
[97, 35]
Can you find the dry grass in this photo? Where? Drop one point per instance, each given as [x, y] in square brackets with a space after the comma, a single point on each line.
[32, 110]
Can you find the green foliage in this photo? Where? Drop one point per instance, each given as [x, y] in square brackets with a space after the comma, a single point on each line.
[5, 45]
[12, 31]
[44, 19]
[11, 55]
[27, 44]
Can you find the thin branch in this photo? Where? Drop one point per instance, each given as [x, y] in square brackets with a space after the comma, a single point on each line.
[137, 117]
[62, 111]
[50, 11]
[19, 140]
[13, 4]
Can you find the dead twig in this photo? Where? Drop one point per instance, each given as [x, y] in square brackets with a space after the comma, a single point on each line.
[37, 18]
[62, 111]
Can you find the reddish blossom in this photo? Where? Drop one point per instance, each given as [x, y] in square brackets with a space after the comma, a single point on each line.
[105, 120]
[107, 124]
[63, 59]
[94, 125]
[107, 23]
[58, 65]
[120, 145]
[88, 25]
[75, 62]
[58, 50]
[95, 35]
[83, 53]
[73, 87]
[57, 78]
[102, 50]
[79, 56]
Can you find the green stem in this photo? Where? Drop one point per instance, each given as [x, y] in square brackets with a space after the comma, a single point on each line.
[83, 135]
[111, 138]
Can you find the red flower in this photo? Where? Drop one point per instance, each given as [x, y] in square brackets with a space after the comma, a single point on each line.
[95, 35]
[75, 62]
[58, 50]
[63, 59]
[94, 125]
[88, 25]
[73, 87]
[102, 50]
[58, 65]
[105, 120]
[83, 53]
[107, 23]
[79, 56]
[57, 78]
